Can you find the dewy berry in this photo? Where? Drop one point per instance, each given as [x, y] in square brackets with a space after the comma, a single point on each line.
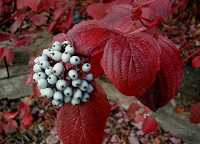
[73, 74]
[62, 76]
[75, 60]
[56, 55]
[86, 67]
[61, 85]
[52, 79]
[66, 57]
[58, 69]
[56, 46]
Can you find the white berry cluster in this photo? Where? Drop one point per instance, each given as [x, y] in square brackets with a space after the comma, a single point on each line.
[58, 83]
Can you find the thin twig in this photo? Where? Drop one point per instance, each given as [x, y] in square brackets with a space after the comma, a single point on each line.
[7, 69]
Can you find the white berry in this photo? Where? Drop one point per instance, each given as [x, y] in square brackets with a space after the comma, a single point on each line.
[44, 64]
[58, 69]
[75, 60]
[55, 102]
[68, 92]
[43, 58]
[56, 46]
[69, 49]
[37, 68]
[85, 97]
[56, 55]
[86, 67]
[73, 74]
[66, 57]
[52, 79]
[75, 101]
[46, 52]
[49, 70]
[36, 77]
[61, 84]
[42, 83]
[76, 83]
[77, 94]
[90, 88]
[41, 75]
[84, 85]
[89, 77]
[67, 99]
[58, 96]
[48, 92]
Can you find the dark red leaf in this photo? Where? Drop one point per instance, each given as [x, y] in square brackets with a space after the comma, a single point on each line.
[149, 125]
[131, 63]
[85, 123]
[10, 127]
[39, 19]
[196, 62]
[169, 78]
[4, 37]
[10, 115]
[27, 120]
[195, 113]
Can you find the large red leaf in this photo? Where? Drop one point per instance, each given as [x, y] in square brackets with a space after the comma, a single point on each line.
[169, 78]
[85, 123]
[88, 38]
[131, 63]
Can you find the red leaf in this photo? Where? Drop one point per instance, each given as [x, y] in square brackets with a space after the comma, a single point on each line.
[27, 120]
[195, 113]
[24, 108]
[33, 4]
[60, 37]
[85, 123]
[88, 38]
[8, 54]
[39, 19]
[97, 10]
[22, 42]
[150, 125]
[161, 8]
[4, 37]
[10, 127]
[131, 63]
[119, 19]
[10, 115]
[196, 62]
[169, 78]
